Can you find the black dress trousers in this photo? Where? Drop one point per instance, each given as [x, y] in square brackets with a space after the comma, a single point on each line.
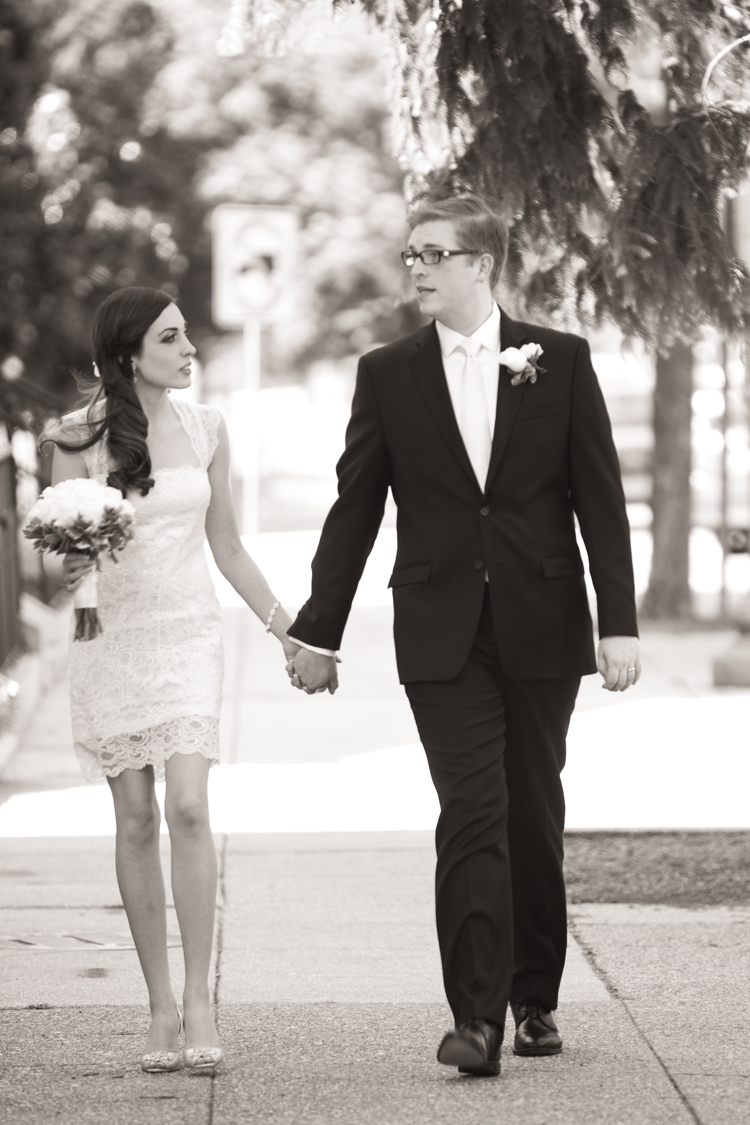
[495, 749]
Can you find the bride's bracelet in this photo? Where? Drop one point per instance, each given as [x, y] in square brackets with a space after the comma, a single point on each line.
[271, 616]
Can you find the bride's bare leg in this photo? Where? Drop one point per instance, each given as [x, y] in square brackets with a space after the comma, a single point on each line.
[194, 887]
[141, 883]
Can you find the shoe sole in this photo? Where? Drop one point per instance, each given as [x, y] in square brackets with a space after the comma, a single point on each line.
[536, 1052]
[489, 1070]
[205, 1070]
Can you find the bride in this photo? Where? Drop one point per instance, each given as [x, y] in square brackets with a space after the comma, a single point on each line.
[146, 693]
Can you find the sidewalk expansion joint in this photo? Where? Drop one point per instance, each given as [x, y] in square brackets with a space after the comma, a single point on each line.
[220, 903]
[81, 940]
[612, 989]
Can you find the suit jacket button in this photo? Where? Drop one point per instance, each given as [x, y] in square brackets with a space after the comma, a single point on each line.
[484, 511]
[479, 564]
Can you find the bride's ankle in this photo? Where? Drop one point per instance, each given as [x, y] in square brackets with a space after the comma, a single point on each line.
[200, 1025]
[197, 1000]
[164, 1010]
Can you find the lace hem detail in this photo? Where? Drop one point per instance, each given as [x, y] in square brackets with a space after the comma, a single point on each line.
[190, 734]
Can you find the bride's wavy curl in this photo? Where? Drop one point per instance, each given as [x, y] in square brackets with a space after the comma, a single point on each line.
[120, 323]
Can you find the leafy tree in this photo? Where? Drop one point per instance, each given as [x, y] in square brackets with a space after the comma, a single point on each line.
[611, 175]
[24, 65]
[308, 129]
[112, 200]
[121, 128]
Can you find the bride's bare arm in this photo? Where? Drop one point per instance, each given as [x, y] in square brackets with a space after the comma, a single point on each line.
[231, 557]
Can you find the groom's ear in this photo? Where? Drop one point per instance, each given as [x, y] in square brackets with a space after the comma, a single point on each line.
[486, 263]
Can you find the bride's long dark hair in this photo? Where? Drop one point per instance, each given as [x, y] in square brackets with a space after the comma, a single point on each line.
[120, 323]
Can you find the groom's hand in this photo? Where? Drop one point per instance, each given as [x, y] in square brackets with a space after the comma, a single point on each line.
[619, 661]
[312, 672]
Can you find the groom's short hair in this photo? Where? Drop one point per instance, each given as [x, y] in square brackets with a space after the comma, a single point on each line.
[476, 222]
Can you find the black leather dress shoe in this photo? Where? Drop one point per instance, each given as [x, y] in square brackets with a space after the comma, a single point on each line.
[474, 1047]
[536, 1030]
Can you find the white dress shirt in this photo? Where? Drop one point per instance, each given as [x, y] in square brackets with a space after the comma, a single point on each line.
[454, 358]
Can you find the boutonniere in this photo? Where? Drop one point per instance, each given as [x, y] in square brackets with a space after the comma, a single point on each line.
[522, 363]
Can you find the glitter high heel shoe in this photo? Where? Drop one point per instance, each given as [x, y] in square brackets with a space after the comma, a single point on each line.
[161, 1062]
[202, 1060]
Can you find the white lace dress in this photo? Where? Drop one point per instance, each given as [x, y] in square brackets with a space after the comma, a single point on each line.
[150, 685]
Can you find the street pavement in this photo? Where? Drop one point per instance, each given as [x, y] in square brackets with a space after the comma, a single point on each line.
[326, 972]
[329, 999]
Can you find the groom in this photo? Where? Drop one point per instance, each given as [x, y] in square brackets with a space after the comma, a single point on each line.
[490, 459]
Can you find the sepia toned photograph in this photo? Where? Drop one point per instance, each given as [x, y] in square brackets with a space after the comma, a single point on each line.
[374, 562]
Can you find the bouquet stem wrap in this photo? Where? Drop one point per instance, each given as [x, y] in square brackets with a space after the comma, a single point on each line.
[85, 601]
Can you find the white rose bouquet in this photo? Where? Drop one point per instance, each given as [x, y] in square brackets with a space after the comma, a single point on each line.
[85, 517]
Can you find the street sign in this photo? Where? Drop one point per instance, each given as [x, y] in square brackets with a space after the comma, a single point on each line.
[254, 274]
[254, 263]
[737, 540]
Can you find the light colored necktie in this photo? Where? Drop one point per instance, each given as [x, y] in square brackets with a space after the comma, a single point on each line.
[474, 422]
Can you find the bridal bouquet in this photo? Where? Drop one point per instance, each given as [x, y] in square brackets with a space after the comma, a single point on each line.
[85, 517]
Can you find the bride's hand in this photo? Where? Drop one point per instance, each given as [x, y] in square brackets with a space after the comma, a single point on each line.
[312, 672]
[75, 567]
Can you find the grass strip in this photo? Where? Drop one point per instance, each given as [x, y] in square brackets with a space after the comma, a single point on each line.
[673, 868]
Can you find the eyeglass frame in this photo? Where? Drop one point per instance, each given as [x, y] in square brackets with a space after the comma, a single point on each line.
[414, 254]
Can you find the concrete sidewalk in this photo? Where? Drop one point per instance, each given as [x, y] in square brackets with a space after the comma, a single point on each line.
[330, 1003]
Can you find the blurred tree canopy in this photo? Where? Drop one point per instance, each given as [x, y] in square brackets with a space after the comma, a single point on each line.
[587, 122]
[611, 154]
[121, 127]
[97, 199]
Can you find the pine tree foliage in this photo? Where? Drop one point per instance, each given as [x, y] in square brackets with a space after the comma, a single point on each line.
[666, 266]
[615, 205]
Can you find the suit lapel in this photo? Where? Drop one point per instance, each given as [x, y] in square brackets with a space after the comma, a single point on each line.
[427, 366]
[508, 396]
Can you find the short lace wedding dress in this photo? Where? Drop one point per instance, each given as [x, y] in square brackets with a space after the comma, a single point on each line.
[150, 685]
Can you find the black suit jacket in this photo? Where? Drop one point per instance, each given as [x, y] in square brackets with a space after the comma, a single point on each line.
[552, 455]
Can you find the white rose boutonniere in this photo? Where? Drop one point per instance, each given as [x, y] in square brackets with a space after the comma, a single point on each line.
[522, 363]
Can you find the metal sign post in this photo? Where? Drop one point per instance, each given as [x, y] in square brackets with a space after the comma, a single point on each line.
[250, 451]
[254, 266]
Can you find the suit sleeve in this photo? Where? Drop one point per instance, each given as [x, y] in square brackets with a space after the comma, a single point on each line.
[599, 502]
[352, 524]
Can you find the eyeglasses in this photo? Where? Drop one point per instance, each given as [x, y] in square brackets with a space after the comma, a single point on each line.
[430, 257]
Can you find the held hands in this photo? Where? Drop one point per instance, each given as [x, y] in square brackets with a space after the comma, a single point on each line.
[310, 671]
[618, 660]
